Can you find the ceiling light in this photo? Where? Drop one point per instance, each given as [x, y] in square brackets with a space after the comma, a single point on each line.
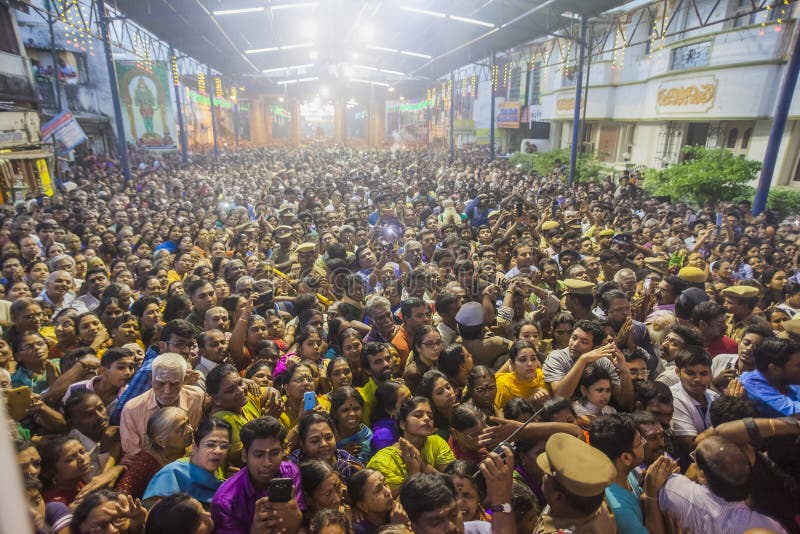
[221, 12]
[402, 98]
[290, 67]
[259, 50]
[472, 21]
[423, 11]
[391, 89]
[299, 80]
[415, 54]
[292, 47]
[395, 72]
[382, 49]
[313, 54]
[280, 99]
[359, 80]
[365, 67]
[296, 5]
[380, 83]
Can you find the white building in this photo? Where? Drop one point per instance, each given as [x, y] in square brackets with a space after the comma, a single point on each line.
[714, 86]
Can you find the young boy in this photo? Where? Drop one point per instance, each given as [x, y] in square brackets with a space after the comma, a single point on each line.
[691, 397]
[117, 366]
[242, 500]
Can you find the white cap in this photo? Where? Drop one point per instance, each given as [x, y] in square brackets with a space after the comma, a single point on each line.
[470, 314]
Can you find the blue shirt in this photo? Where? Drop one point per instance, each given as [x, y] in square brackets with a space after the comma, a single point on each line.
[769, 401]
[477, 217]
[25, 377]
[182, 476]
[626, 508]
[140, 383]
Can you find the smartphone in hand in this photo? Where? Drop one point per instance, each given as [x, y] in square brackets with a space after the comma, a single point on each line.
[309, 400]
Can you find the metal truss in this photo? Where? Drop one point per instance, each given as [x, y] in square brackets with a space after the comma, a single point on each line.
[658, 23]
[80, 16]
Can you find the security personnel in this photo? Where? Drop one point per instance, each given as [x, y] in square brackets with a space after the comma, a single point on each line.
[740, 301]
[575, 478]
[282, 252]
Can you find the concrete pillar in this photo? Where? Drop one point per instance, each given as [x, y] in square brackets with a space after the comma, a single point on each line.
[377, 122]
[294, 125]
[258, 122]
[339, 121]
[265, 110]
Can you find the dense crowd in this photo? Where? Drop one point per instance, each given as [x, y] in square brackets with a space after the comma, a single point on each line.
[331, 340]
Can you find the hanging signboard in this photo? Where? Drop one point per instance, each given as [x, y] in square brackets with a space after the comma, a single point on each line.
[68, 133]
[508, 115]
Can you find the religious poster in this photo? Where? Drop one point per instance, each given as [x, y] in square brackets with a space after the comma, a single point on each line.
[146, 103]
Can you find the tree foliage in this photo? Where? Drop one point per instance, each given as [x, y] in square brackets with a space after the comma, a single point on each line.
[707, 174]
[588, 166]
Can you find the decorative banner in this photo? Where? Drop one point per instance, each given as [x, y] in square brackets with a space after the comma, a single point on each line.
[690, 95]
[44, 177]
[147, 106]
[508, 115]
[464, 127]
[68, 133]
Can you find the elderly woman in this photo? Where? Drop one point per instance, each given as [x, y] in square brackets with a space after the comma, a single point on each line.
[199, 475]
[169, 433]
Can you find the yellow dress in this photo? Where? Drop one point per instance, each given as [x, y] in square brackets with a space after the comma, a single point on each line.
[510, 386]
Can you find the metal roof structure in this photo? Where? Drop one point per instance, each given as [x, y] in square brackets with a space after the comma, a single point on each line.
[383, 41]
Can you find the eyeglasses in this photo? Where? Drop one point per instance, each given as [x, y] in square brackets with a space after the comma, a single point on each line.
[485, 389]
[303, 380]
[433, 344]
[211, 445]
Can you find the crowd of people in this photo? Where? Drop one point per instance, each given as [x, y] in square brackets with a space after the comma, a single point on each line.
[332, 340]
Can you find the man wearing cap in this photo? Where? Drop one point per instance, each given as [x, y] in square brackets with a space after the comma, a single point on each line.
[484, 350]
[575, 478]
[740, 301]
[551, 230]
[618, 438]
[578, 299]
[282, 251]
[306, 254]
[693, 277]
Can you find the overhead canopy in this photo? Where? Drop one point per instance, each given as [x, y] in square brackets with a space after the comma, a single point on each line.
[383, 41]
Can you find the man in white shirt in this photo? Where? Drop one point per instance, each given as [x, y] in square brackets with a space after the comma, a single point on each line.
[717, 503]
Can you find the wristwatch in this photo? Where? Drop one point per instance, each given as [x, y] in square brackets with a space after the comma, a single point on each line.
[504, 508]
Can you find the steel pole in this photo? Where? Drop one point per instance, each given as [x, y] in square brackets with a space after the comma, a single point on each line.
[452, 116]
[778, 124]
[176, 84]
[576, 117]
[122, 146]
[491, 111]
[210, 89]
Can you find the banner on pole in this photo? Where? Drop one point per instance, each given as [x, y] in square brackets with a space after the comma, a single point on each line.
[68, 133]
[146, 103]
[508, 115]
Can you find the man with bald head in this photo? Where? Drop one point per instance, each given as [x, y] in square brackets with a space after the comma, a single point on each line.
[716, 503]
[58, 293]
